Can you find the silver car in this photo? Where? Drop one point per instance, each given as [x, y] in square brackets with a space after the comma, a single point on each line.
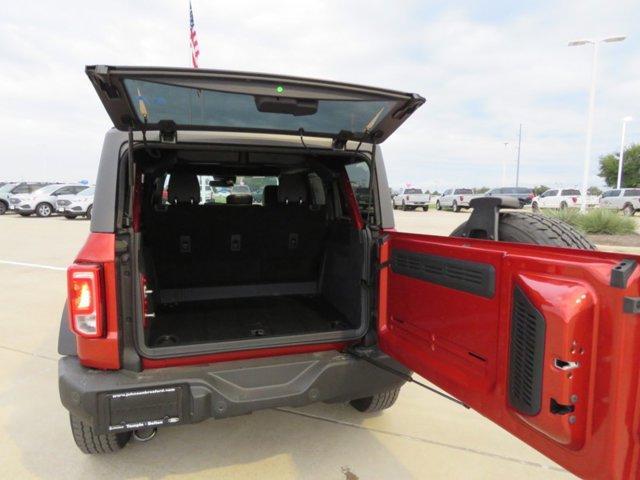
[73, 206]
[42, 202]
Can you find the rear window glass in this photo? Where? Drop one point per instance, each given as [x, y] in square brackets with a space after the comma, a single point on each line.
[360, 179]
[414, 191]
[463, 191]
[570, 191]
[210, 108]
[251, 185]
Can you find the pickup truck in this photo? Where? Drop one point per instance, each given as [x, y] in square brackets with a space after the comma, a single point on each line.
[456, 199]
[625, 199]
[411, 198]
[562, 198]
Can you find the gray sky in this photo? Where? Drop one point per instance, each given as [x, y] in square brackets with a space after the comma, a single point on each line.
[483, 70]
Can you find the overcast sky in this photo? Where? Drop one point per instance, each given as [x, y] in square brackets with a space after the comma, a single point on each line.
[483, 70]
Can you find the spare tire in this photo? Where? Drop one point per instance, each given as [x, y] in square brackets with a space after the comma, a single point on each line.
[524, 227]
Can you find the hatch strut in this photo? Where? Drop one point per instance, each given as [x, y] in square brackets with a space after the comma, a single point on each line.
[363, 355]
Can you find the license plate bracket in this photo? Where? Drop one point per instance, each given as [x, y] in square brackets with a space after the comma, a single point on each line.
[145, 408]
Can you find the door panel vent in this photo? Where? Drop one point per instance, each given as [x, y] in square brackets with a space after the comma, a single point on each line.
[526, 355]
[472, 277]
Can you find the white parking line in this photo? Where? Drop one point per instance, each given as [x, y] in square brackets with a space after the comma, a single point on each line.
[32, 265]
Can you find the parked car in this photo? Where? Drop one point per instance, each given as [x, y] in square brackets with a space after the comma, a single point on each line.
[6, 191]
[456, 199]
[523, 194]
[4, 196]
[561, 198]
[411, 198]
[182, 312]
[625, 199]
[80, 204]
[42, 202]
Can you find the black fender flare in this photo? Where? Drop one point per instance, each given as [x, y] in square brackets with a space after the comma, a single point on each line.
[67, 345]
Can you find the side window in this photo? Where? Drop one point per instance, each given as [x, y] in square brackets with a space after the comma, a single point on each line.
[63, 191]
[78, 189]
[446, 192]
[360, 179]
[550, 193]
[632, 192]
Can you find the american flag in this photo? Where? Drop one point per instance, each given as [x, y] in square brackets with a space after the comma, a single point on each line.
[195, 49]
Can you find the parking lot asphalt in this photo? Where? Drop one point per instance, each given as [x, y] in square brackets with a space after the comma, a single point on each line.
[423, 436]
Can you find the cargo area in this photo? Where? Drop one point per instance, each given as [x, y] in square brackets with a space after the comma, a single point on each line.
[251, 250]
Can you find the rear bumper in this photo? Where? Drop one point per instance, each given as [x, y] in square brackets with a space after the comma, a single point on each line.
[123, 400]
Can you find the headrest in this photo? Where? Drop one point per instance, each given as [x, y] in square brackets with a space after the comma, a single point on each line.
[270, 195]
[292, 189]
[183, 188]
[239, 199]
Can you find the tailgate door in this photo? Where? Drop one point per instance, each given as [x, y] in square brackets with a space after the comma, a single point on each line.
[196, 99]
[543, 341]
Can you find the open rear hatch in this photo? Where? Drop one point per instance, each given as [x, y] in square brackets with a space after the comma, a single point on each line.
[150, 98]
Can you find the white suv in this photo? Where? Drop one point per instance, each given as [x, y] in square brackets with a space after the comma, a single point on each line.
[561, 198]
[625, 199]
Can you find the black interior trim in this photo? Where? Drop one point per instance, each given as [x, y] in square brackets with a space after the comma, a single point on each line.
[467, 276]
[176, 295]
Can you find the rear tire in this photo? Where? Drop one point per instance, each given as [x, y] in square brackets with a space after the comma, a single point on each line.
[563, 206]
[92, 443]
[404, 206]
[628, 210]
[70, 217]
[377, 402]
[89, 212]
[44, 210]
[438, 206]
[3, 208]
[535, 207]
[524, 227]
[425, 208]
[25, 214]
[455, 207]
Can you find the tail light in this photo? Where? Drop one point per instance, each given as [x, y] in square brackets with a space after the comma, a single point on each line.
[86, 305]
[461, 198]
[531, 196]
[575, 199]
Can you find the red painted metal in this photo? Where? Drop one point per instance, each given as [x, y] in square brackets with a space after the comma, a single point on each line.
[460, 342]
[102, 353]
[240, 355]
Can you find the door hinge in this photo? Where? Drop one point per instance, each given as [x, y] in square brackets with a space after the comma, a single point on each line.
[168, 131]
[621, 272]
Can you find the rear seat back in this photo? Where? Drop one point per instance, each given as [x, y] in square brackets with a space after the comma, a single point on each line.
[294, 234]
[238, 244]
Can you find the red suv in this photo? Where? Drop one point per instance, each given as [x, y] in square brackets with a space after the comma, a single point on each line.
[181, 310]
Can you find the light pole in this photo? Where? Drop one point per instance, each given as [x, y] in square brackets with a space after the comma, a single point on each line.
[518, 161]
[504, 165]
[592, 102]
[625, 120]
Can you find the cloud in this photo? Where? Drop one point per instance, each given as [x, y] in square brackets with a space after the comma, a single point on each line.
[484, 70]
